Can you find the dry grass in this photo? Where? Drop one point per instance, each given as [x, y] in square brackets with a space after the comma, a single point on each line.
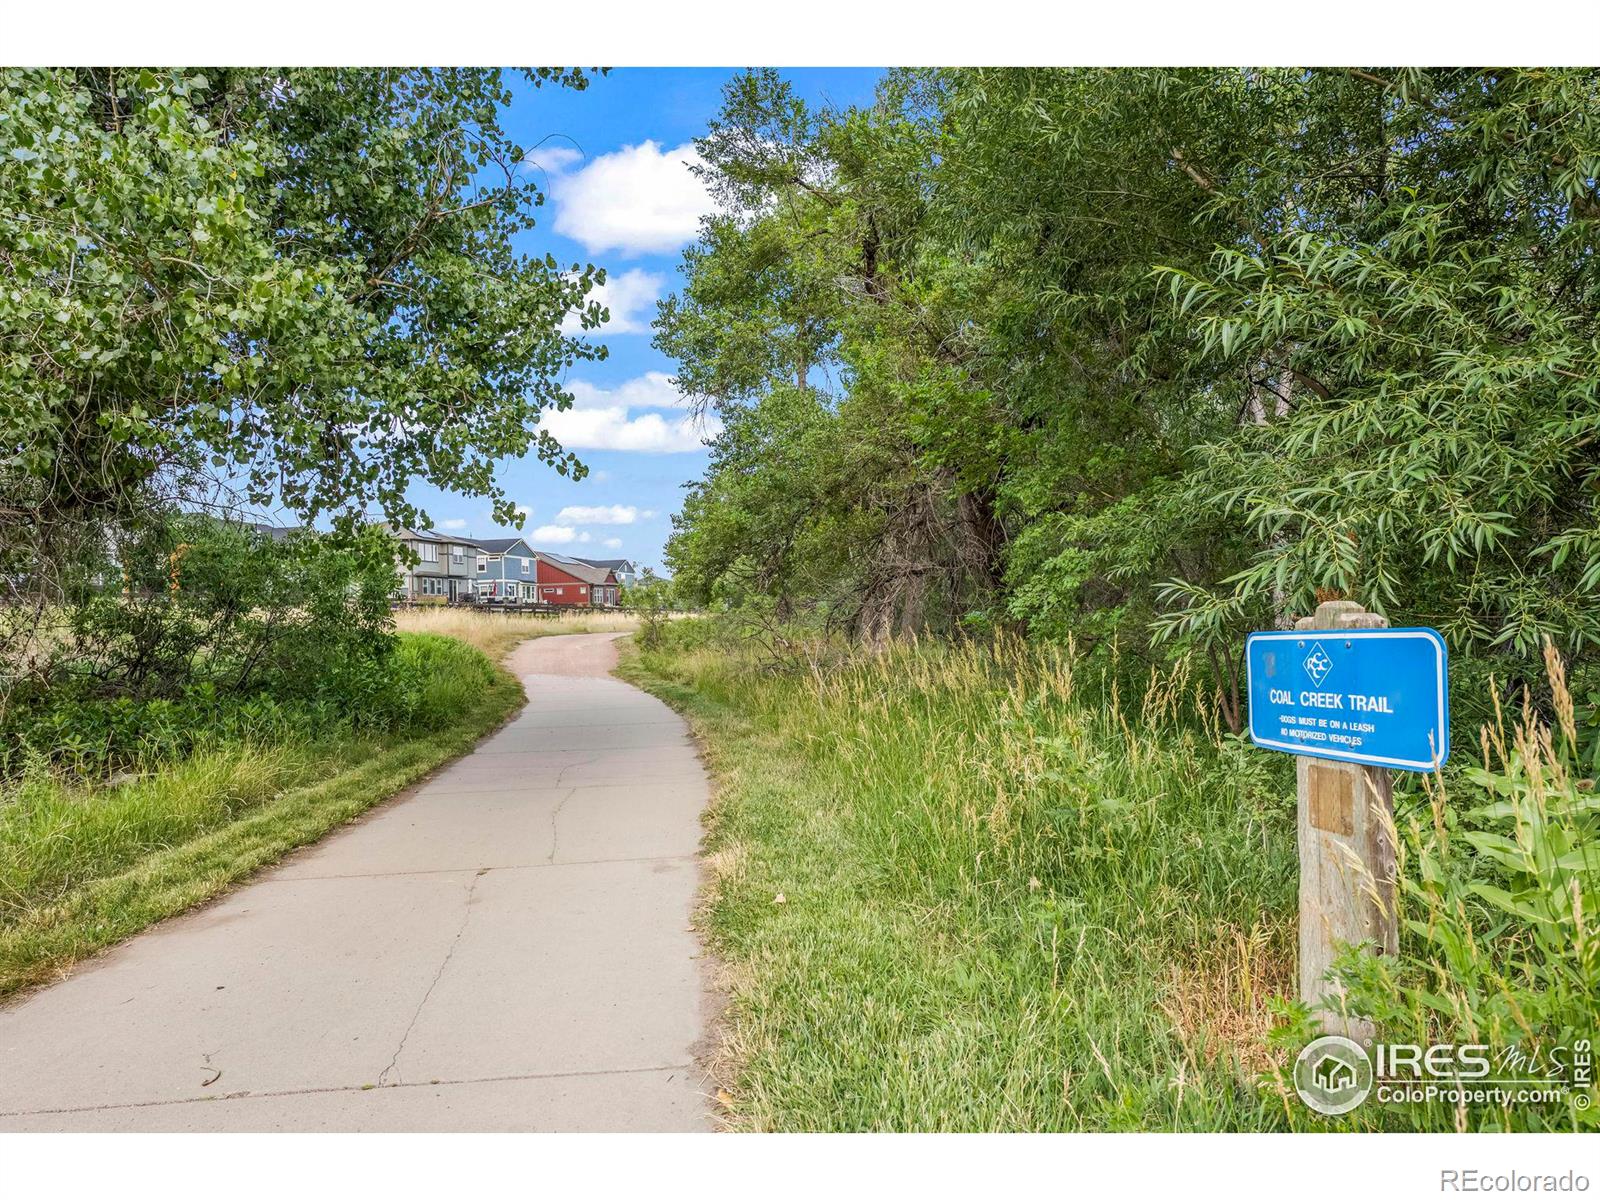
[496, 633]
[1219, 1001]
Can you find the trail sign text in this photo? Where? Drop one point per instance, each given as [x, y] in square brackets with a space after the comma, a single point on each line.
[1375, 696]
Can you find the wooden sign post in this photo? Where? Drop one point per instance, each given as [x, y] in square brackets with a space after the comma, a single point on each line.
[1352, 700]
[1347, 864]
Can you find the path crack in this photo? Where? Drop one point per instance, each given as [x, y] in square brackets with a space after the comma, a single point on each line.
[562, 774]
[334, 1089]
[555, 832]
[437, 975]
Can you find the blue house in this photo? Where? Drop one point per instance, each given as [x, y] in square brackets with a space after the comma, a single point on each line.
[506, 571]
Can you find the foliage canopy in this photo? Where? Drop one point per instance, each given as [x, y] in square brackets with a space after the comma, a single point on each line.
[1154, 353]
[299, 282]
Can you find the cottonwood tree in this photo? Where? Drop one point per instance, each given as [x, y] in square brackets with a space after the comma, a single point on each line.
[301, 282]
[1122, 353]
[797, 323]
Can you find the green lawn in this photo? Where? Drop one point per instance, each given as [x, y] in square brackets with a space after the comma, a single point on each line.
[83, 866]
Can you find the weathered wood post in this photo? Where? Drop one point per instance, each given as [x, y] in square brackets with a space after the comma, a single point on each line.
[1347, 862]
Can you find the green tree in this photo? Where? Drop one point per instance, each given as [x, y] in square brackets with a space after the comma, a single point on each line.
[652, 600]
[1114, 353]
[300, 281]
[1431, 298]
[796, 324]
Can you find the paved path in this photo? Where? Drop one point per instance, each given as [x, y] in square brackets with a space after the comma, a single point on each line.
[507, 948]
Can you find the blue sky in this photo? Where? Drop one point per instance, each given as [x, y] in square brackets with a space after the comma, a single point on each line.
[613, 162]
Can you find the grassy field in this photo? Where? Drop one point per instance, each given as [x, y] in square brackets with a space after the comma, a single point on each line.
[495, 634]
[84, 864]
[975, 888]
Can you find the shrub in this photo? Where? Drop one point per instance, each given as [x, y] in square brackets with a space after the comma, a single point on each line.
[183, 598]
[1499, 890]
[193, 630]
[440, 679]
[426, 683]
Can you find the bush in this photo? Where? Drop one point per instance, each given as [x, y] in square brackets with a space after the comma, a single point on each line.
[183, 598]
[192, 631]
[651, 600]
[1499, 887]
[426, 683]
[439, 679]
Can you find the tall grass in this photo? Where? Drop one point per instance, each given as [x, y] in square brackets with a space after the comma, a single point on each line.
[987, 886]
[495, 633]
[1499, 895]
[970, 888]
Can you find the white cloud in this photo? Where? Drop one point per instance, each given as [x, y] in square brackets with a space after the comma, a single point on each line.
[630, 298]
[600, 514]
[559, 535]
[603, 418]
[553, 158]
[612, 543]
[637, 200]
[613, 429]
[453, 523]
[653, 389]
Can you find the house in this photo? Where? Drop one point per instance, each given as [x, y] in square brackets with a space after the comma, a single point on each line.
[572, 581]
[452, 569]
[625, 569]
[505, 571]
[444, 570]
[278, 533]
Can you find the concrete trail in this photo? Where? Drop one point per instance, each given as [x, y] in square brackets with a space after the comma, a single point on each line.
[505, 948]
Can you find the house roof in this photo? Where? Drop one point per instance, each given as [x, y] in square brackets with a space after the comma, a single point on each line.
[613, 564]
[579, 568]
[429, 535]
[487, 545]
[497, 545]
[276, 532]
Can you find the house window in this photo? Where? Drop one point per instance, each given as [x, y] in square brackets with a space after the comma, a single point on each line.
[458, 554]
[483, 564]
[527, 591]
[583, 591]
[429, 552]
[526, 563]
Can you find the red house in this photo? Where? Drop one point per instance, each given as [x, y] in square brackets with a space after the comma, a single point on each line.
[564, 580]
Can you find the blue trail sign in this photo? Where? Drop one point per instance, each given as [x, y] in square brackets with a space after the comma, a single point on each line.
[1376, 696]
